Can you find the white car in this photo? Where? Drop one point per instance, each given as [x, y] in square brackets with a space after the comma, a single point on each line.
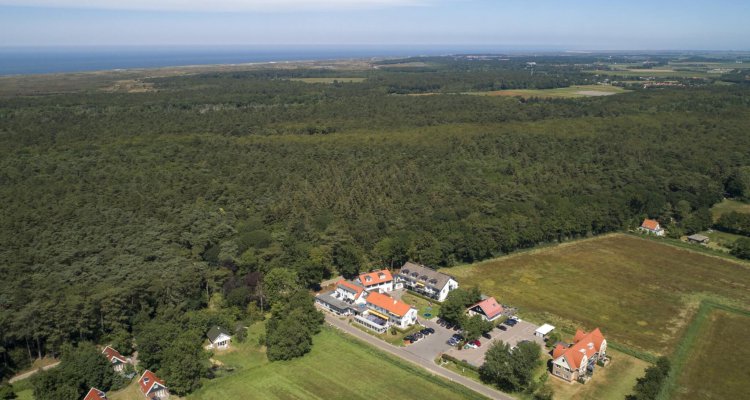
[470, 346]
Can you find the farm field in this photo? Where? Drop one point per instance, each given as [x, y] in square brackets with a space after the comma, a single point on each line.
[641, 293]
[333, 369]
[328, 80]
[727, 206]
[567, 92]
[720, 335]
[611, 383]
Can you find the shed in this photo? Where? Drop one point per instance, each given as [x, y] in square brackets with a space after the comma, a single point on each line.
[698, 239]
[219, 338]
[543, 330]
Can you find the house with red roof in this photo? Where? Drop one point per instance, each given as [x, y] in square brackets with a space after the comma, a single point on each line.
[384, 311]
[117, 360]
[380, 281]
[95, 394]
[571, 362]
[152, 387]
[488, 308]
[652, 226]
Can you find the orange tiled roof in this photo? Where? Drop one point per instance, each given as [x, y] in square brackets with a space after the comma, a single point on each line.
[111, 354]
[651, 224]
[95, 394]
[489, 307]
[388, 303]
[376, 277]
[585, 343]
[356, 288]
[147, 381]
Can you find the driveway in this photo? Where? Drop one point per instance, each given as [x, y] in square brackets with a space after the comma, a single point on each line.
[522, 331]
[429, 365]
[433, 345]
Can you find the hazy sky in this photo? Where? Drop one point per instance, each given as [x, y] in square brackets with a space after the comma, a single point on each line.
[569, 24]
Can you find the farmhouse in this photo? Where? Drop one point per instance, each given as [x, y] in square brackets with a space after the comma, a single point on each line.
[384, 311]
[380, 281]
[152, 387]
[577, 361]
[700, 239]
[488, 308]
[426, 281]
[652, 226]
[219, 338]
[117, 360]
[95, 394]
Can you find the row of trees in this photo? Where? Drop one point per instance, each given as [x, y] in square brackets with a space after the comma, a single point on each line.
[650, 385]
[512, 369]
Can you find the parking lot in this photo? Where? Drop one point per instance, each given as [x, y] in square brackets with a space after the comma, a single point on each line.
[433, 345]
[522, 331]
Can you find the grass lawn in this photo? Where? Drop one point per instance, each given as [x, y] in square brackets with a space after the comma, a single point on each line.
[337, 367]
[715, 366]
[567, 92]
[424, 306]
[720, 240]
[641, 293]
[612, 382]
[328, 80]
[23, 390]
[728, 205]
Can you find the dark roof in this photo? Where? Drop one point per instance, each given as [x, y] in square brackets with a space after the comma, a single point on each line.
[697, 237]
[424, 274]
[338, 304]
[214, 333]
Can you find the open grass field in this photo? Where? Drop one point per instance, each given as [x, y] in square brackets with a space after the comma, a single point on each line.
[642, 293]
[611, 383]
[328, 80]
[719, 240]
[568, 92]
[727, 206]
[715, 365]
[337, 367]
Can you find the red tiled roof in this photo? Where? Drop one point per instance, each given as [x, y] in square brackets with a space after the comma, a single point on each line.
[376, 277]
[489, 307]
[358, 289]
[111, 354]
[585, 343]
[558, 351]
[147, 381]
[95, 394]
[388, 303]
[650, 224]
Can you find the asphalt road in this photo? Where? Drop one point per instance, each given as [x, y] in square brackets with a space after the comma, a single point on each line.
[429, 364]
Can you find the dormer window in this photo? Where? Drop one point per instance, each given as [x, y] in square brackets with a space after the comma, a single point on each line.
[145, 380]
[405, 271]
[381, 275]
[368, 279]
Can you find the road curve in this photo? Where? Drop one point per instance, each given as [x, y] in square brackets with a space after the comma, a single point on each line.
[426, 364]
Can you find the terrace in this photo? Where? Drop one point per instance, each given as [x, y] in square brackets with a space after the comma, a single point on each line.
[372, 322]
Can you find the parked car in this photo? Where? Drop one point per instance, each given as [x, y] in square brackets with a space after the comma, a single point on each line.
[449, 325]
[431, 330]
[470, 345]
[425, 331]
[457, 336]
[486, 335]
[510, 322]
[452, 342]
[502, 327]
[476, 343]
[409, 338]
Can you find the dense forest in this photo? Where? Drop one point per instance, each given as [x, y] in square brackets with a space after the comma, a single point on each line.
[123, 208]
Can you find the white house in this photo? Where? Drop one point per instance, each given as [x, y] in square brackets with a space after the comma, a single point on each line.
[578, 360]
[219, 338]
[652, 226]
[426, 281]
[152, 387]
[117, 360]
[488, 308]
[380, 281]
[384, 311]
[350, 291]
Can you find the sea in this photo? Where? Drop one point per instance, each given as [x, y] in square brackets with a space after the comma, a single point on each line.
[45, 60]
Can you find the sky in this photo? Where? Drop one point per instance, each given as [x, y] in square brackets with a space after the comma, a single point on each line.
[541, 24]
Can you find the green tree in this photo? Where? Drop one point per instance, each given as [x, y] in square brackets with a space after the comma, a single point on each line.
[184, 363]
[279, 284]
[649, 386]
[741, 248]
[6, 391]
[347, 258]
[453, 308]
[475, 326]
[498, 368]
[80, 368]
[153, 339]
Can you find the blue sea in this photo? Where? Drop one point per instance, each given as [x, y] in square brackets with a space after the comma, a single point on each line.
[40, 60]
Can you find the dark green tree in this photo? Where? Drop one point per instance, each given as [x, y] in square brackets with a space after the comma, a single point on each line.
[184, 363]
